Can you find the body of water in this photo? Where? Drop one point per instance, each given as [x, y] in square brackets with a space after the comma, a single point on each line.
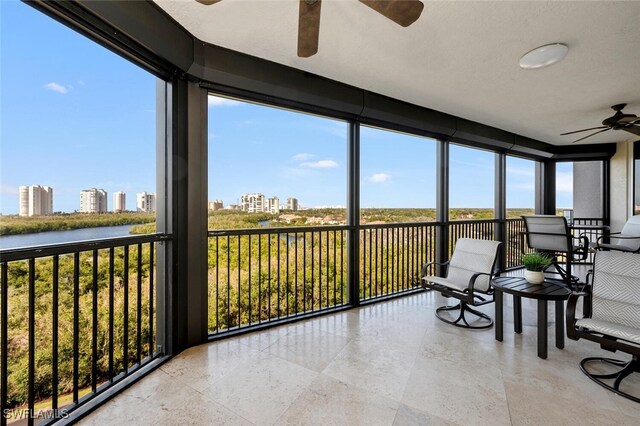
[57, 237]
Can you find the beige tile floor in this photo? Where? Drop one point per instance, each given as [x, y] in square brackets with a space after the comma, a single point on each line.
[391, 363]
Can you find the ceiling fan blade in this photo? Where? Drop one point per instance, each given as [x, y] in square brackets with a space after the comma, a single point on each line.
[308, 27]
[584, 130]
[632, 129]
[402, 12]
[629, 120]
[208, 2]
[592, 134]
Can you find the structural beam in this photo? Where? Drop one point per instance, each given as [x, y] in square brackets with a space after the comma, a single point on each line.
[353, 212]
[442, 204]
[500, 207]
[545, 187]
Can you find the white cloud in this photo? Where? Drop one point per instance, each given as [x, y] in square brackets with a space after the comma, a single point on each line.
[564, 182]
[322, 164]
[379, 177]
[303, 156]
[55, 87]
[216, 101]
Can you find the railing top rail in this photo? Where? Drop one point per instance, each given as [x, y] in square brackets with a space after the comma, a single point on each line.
[9, 255]
[398, 225]
[280, 230]
[471, 221]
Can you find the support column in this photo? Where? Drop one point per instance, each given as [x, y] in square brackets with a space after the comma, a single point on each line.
[182, 212]
[500, 208]
[442, 204]
[353, 212]
[546, 187]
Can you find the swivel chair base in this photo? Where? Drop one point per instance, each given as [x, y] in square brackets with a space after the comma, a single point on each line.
[628, 367]
[461, 321]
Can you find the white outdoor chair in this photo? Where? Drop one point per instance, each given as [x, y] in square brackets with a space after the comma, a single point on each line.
[626, 240]
[552, 236]
[611, 318]
[469, 274]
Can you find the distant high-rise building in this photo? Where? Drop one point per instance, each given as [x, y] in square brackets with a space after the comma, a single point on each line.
[292, 204]
[273, 205]
[36, 200]
[146, 202]
[216, 205]
[93, 201]
[119, 202]
[252, 203]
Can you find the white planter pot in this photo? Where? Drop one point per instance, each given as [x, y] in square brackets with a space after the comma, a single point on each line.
[534, 277]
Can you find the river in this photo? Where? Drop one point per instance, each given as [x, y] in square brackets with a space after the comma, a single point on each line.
[56, 237]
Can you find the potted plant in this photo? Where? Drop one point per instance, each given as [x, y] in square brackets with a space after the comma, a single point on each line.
[535, 263]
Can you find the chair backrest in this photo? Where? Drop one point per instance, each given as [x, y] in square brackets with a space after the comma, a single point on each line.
[548, 233]
[471, 256]
[616, 288]
[630, 229]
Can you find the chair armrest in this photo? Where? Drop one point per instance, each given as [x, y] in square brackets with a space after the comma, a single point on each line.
[426, 266]
[583, 250]
[474, 277]
[610, 235]
[571, 310]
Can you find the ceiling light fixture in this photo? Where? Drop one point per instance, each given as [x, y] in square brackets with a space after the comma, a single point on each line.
[543, 56]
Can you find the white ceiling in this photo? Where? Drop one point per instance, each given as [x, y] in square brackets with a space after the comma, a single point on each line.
[459, 57]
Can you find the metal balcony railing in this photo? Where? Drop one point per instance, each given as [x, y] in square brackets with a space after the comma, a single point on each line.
[75, 320]
[78, 318]
[263, 275]
[392, 255]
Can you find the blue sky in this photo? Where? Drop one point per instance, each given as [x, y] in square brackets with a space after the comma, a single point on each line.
[74, 115]
[77, 116]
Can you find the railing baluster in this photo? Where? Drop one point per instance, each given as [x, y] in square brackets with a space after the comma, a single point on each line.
[125, 343]
[239, 283]
[32, 340]
[278, 238]
[295, 278]
[151, 286]
[259, 278]
[377, 280]
[342, 267]
[76, 321]
[286, 290]
[249, 265]
[269, 275]
[394, 257]
[4, 343]
[304, 272]
[328, 278]
[335, 268]
[386, 269]
[312, 273]
[139, 306]
[320, 270]
[111, 313]
[217, 283]
[94, 324]
[228, 282]
[54, 332]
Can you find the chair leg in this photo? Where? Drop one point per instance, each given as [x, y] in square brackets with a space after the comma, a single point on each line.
[628, 368]
[461, 321]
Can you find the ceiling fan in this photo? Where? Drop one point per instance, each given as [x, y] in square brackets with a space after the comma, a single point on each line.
[618, 121]
[402, 12]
